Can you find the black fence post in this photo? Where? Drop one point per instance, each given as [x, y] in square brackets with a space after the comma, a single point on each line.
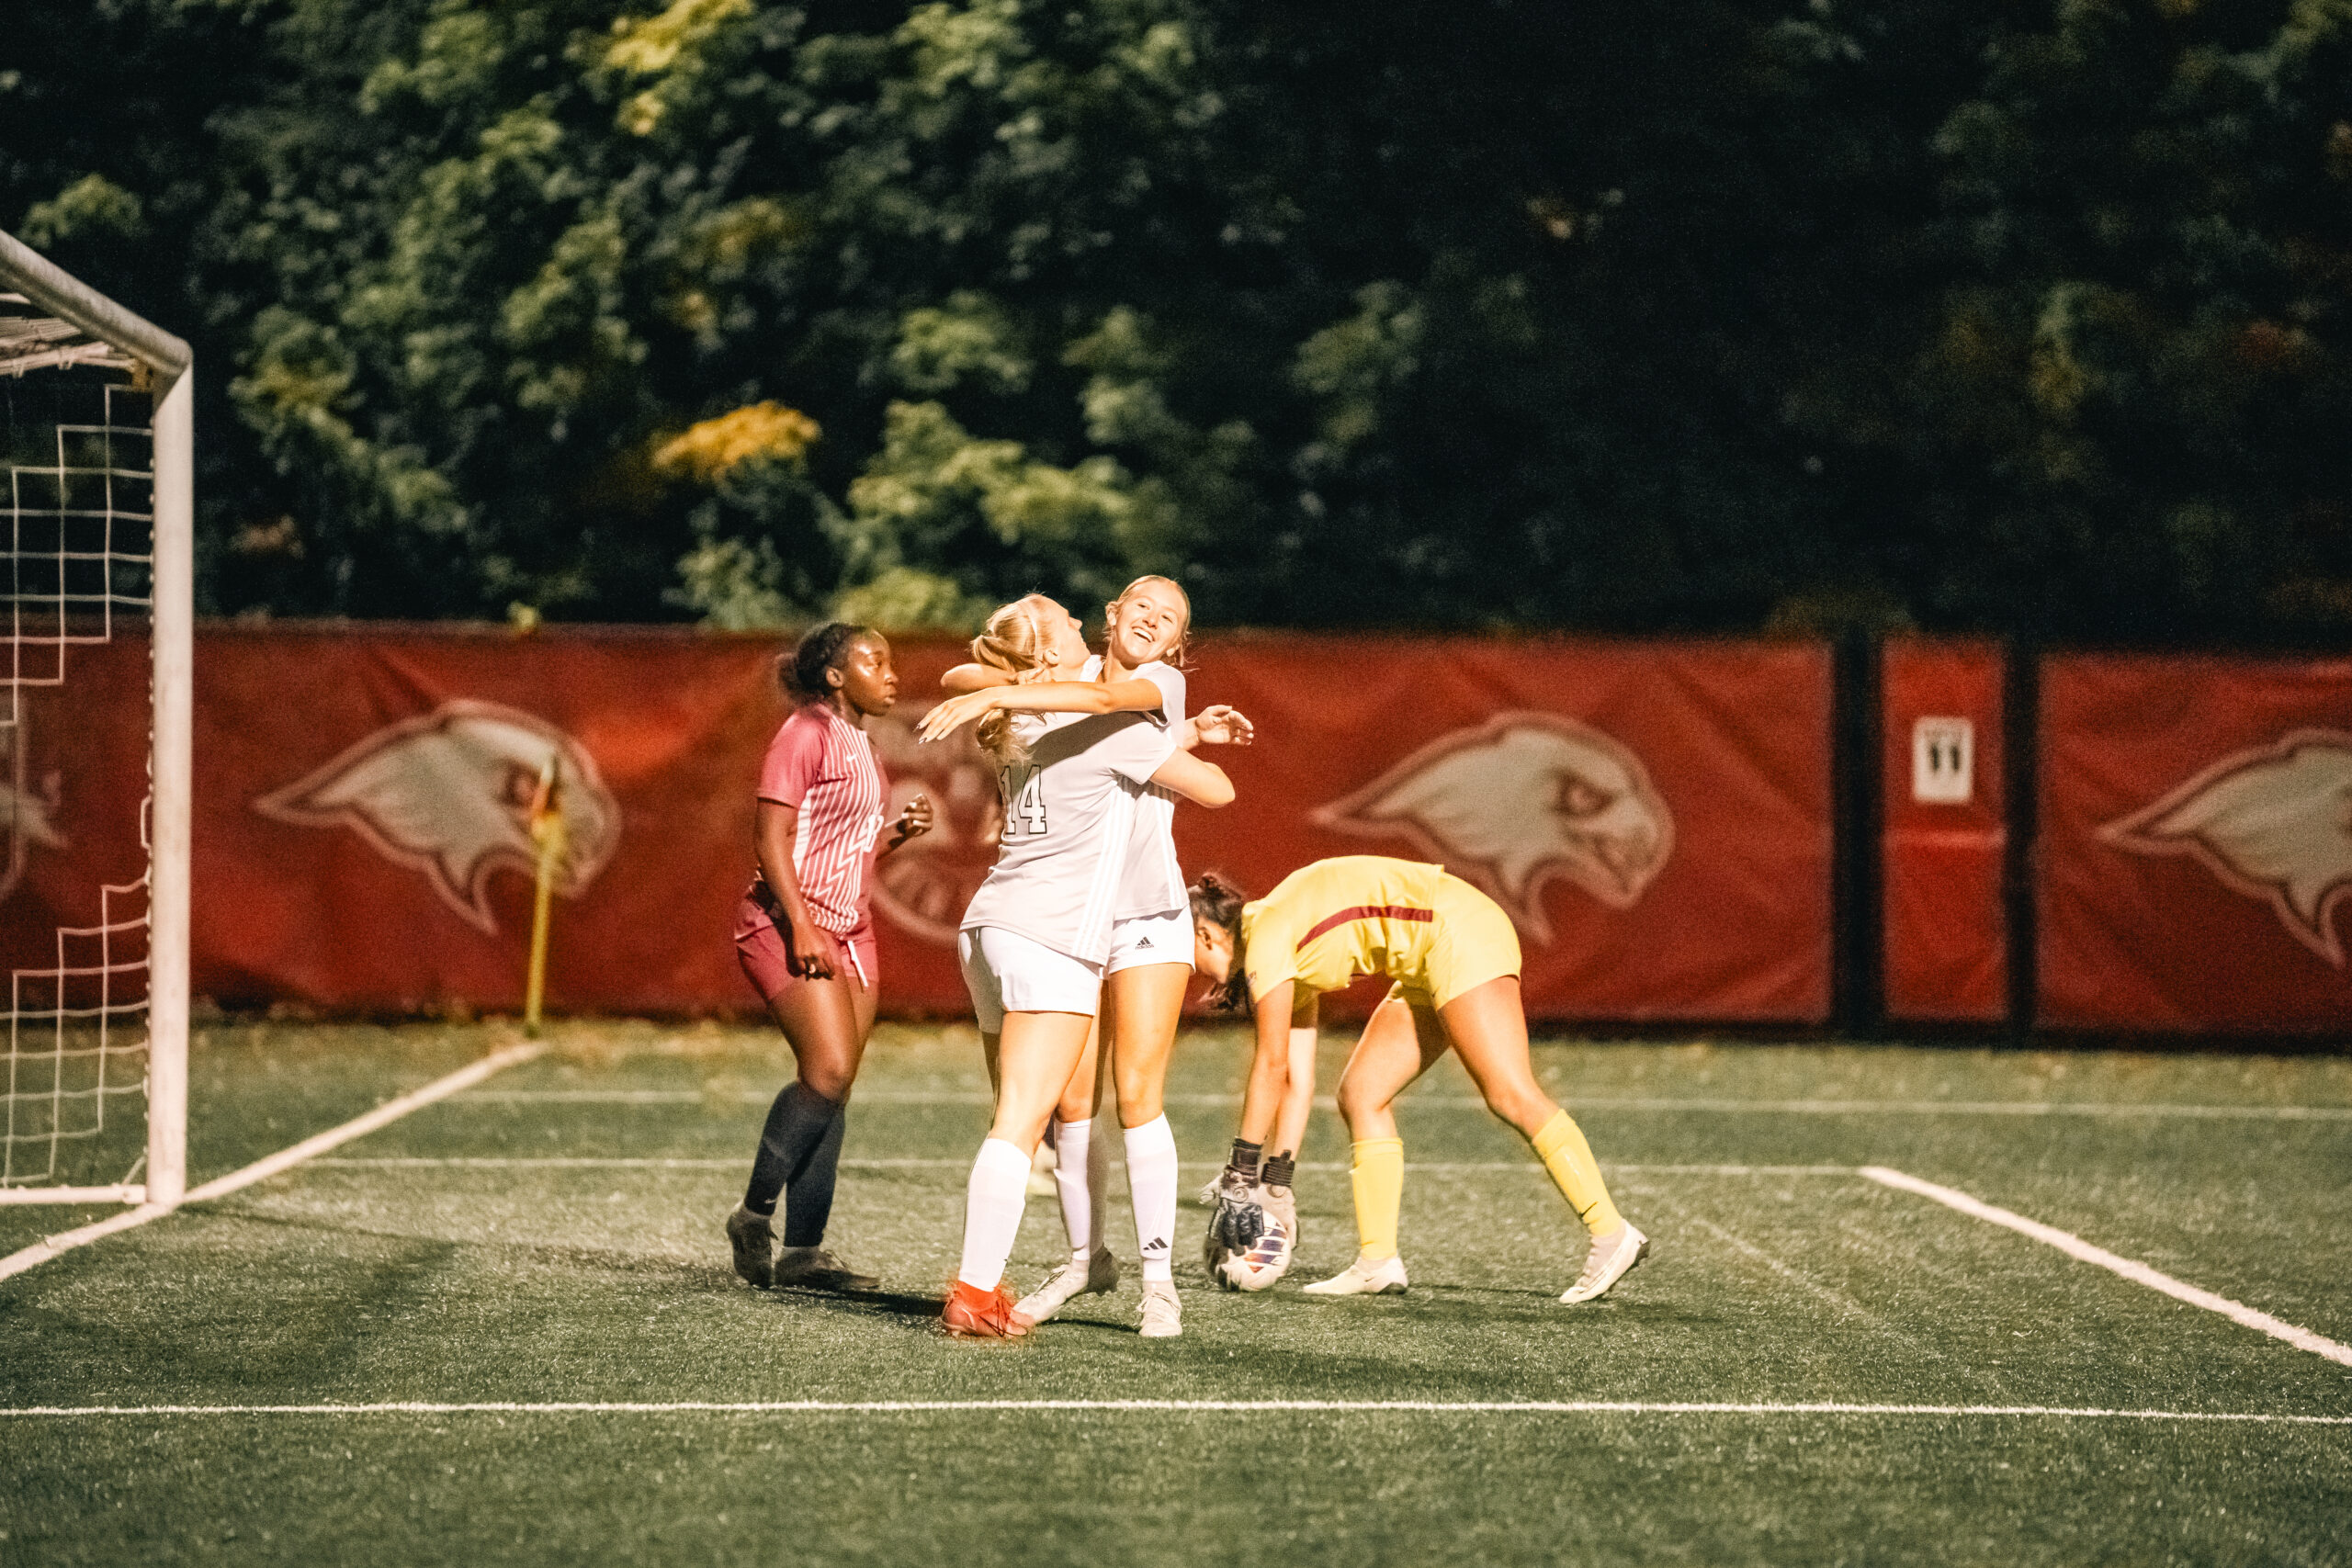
[2021, 807]
[1857, 944]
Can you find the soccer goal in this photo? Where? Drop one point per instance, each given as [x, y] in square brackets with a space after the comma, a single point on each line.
[96, 448]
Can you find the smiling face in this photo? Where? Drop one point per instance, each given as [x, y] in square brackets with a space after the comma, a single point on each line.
[1148, 622]
[869, 684]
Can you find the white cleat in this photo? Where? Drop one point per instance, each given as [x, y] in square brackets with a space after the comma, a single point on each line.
[1384, 1277]
[1099, 1273]
[1609, 1259]
[1163, 1316]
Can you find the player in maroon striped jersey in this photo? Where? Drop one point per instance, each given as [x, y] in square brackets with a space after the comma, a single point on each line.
[804, 934]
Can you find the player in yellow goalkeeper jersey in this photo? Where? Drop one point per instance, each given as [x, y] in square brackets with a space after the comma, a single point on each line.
[1454, 960]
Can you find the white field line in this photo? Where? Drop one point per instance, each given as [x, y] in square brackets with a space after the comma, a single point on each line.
[1472, 1102]
[130, 1192]
[1217, 1406]
[2138, 1273]
[600, 1162]
[261, 1169]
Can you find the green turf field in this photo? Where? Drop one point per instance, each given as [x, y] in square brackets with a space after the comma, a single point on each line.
[551, 1238]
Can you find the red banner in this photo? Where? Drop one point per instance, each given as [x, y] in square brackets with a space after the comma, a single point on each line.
[2196, 844]
[1655, 816]
[1945, 832]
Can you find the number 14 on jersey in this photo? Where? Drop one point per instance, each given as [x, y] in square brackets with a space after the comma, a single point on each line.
[1024, 793]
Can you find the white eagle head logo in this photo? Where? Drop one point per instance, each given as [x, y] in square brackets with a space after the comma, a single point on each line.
[1518, 801]
[449, 794]
[2273, 823]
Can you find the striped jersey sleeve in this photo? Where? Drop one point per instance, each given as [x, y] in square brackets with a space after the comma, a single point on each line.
[824, 766]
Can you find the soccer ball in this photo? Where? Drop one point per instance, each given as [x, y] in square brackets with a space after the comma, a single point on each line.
[1264, 1261]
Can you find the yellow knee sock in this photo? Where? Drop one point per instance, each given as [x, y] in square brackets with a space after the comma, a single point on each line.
[1376, 1170]
[1561, 1147]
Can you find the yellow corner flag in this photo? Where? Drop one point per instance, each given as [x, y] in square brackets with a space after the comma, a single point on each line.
[547, 832]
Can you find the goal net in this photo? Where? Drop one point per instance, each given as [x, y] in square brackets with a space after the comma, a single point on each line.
[96, 446]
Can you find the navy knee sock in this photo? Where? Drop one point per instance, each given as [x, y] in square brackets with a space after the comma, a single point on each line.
[809, 1191]
[797, 1122]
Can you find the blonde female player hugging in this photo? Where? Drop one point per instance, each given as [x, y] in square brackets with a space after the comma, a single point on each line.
[1037, 933]
[1149, 967]
[1454, 960]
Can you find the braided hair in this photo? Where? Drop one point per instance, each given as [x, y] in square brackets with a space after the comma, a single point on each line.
[1219, 902]
[801, 672]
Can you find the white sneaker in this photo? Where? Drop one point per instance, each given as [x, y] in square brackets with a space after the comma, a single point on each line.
[1164, 1314]
[1099, 1273]
[1608, 1261]
[1384, 1277]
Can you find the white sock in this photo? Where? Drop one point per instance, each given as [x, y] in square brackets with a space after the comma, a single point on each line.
[1074, 1183]
[992, 1205]
[1152, 1181]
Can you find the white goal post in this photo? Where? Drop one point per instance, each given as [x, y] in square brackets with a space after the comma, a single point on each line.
[90, 329]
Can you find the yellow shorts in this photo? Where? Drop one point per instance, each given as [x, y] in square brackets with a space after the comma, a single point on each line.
[1474, 943]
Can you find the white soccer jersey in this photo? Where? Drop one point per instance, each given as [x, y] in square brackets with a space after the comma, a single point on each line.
[1068, 817]
[1153, 882]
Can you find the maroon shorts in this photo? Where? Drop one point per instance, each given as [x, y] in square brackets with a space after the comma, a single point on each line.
[761, 950]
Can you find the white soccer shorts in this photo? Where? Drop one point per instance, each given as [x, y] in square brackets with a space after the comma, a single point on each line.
[1007, 972]
[1151, 939]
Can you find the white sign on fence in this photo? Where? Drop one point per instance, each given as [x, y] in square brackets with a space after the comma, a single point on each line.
[1943, 761]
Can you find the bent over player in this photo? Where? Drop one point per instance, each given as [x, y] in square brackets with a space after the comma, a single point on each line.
[804, 933]
[1455, 962]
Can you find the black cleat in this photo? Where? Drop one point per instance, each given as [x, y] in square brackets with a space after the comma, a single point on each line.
[814, 1269]
[753, 1238]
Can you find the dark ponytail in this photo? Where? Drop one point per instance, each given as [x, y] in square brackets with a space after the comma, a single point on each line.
[801, 672]
[1219, 902]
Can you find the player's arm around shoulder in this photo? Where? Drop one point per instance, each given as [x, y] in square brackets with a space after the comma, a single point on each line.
[1085, 697]
[972, 676]
[1202, 784]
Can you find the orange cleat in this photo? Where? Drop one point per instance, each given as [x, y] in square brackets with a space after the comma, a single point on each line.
[975, 1314]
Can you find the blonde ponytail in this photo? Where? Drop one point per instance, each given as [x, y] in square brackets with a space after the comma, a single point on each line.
[1014, 642]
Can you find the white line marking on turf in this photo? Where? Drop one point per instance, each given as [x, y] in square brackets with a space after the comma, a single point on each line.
[1472, 1102]
[261, 1169]
[129, 1192]
[1238, 1406]
[621, 1162]
[2139, 1273]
